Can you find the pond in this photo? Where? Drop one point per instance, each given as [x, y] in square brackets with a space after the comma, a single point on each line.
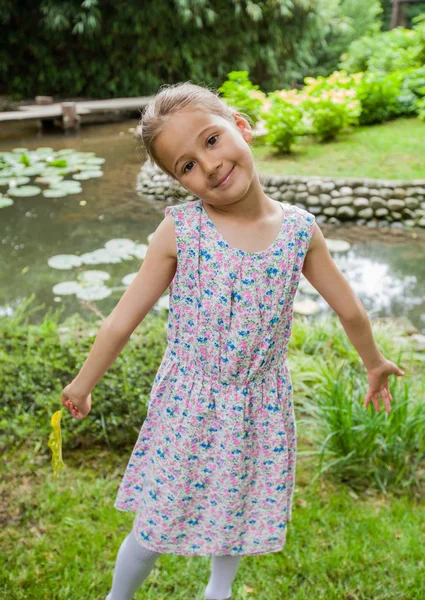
[386, 268]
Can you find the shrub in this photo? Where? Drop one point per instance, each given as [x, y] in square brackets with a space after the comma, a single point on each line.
[330, 115]
[378, 97]
[239, 92]
[283, 122]
[37, 361]
[383, 52]
[331, 104]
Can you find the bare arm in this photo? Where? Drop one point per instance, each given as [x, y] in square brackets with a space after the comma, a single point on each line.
[322, 272]
[153, 278]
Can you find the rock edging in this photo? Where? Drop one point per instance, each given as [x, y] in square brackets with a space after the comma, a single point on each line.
[370, 202]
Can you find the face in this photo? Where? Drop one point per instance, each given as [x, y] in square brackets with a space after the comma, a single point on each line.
[200, 149]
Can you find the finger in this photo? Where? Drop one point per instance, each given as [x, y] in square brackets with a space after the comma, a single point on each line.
[385, 399]
[367, 399]
[375, 402]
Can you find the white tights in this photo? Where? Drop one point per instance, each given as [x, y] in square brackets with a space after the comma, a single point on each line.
[135, 562]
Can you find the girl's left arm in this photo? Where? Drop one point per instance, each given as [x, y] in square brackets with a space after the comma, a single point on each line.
[322, 272]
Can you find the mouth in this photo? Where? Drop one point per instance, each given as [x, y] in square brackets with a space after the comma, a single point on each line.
[226, 179]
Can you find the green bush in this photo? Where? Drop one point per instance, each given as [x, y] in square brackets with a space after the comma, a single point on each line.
[283, 122]
[330, 104]
[239, 92]
[354, 445]
[383, 52]
[378, 97]
[37, 361]
[328, 116]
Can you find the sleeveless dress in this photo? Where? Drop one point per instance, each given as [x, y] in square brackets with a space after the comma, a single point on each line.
[213, 469]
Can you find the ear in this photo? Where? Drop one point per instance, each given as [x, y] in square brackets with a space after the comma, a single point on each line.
[243, 126]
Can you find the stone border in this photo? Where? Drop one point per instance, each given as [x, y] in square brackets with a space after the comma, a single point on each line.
[370, 202]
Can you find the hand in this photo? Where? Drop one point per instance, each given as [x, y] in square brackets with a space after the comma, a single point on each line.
[378, 384]
[78, 407]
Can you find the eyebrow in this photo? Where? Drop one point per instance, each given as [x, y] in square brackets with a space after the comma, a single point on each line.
[183, 155]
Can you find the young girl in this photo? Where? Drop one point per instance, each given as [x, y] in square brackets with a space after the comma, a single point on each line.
[212, 472]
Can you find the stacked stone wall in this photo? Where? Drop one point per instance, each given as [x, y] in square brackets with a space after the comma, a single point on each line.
[368, 202]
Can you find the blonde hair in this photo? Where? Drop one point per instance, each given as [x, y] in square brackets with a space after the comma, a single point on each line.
[171, 99]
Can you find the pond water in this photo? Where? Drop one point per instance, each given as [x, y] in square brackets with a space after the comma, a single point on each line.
[386, 268]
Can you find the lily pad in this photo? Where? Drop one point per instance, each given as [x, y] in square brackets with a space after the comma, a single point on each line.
[8, 172]
[24, 191]
[53, 180]
[98, 257]
[120, 244]
[64, 262]
[128, 279]
[87, 175]
[66, 288]
[95, 292]
[15, 181]
[140, 251]
[54, 193]
[65, 152]
[93, 276]
[20, 150]
[337, 245]
[32, 171]
[95, 161]
[5, 202]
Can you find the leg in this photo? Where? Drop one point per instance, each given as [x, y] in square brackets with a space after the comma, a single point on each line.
[223, 572]
[133, 565]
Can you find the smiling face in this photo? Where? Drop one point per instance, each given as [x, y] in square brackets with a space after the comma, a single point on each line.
[200, 149]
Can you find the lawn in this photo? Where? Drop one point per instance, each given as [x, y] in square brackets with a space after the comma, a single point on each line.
[393, 150]
[60, 540]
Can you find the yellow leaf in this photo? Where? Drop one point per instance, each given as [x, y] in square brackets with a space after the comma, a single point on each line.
[55, 443]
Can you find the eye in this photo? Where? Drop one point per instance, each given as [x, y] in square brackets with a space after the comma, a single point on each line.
[191, 162]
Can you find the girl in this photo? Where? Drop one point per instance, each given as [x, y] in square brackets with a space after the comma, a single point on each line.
[212, 472]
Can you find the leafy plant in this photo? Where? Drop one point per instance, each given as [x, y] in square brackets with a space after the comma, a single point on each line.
[383, 52]
[238, 91]
[378, 97]
[283, 122]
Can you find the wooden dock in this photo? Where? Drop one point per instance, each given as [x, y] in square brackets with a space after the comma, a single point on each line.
[69, 115]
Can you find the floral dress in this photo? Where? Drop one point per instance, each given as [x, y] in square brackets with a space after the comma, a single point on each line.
[212, 471]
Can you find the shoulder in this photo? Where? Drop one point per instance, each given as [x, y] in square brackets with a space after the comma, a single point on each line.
[167, 232]
[303, 219]
[184, 207]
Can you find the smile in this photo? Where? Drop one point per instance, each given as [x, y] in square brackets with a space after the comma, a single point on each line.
[227, 179]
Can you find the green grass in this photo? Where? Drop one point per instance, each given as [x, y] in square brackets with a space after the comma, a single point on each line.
[393, 150]
[62, 537]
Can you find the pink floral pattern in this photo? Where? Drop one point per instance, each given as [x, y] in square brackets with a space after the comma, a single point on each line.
[213, 469]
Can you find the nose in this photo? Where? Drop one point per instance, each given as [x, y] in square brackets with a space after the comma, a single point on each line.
[211, 165]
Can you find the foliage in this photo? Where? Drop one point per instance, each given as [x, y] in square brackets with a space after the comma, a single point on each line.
[37, 361]
[283, 122]
[409, 11]
[347, 20]
[239, 92]
[355, 445]
[329, 384]
[112, 49]
[378, 96]
[331, 104]
[387, 51]
[400, 141]
[420, 106]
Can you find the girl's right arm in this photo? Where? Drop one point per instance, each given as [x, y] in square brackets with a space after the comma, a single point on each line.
[154, 277]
